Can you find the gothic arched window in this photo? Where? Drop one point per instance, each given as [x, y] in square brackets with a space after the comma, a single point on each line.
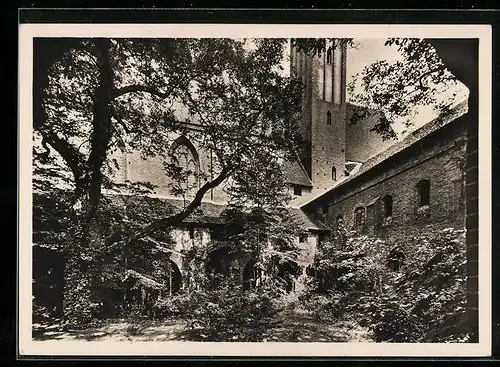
[184, 156]
[328, 118]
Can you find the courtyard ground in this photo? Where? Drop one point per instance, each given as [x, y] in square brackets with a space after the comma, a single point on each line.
[294, 327]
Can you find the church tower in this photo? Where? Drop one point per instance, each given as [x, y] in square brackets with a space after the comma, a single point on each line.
[323, 121]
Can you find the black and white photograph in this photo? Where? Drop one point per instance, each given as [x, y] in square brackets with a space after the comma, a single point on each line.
[299, 187]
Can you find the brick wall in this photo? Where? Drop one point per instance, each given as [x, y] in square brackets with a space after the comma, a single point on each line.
[324, 143]
[134, 168]
[439, 158]
[472, 222]
[328, 144]
[363, 143]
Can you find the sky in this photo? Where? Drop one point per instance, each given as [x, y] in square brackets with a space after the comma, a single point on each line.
[372, 50]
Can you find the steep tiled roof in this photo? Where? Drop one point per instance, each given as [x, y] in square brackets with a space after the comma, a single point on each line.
[207, 213]
[306, 221]
[296, 174]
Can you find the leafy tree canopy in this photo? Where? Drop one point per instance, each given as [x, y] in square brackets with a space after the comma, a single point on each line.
[93, 96]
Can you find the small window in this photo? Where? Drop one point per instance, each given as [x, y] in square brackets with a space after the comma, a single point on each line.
[297, 190]
[329, 56]
[424, 191]
[334, 173]
[328, 118]
[359, 217]
[302, 238]
[387, 200]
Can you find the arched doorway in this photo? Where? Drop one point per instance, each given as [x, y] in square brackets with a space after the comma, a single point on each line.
[395, 259]
[252, 275]
[174, 278]
[218, 266]
[287, 271]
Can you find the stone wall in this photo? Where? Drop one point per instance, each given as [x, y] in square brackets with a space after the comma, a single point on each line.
[439, 158]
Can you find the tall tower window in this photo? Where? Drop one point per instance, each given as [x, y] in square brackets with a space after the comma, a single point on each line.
[329, 56]
[334, 173]
[328, 118]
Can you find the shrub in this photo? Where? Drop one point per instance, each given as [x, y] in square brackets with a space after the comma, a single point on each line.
[420, 301]
[227, 313]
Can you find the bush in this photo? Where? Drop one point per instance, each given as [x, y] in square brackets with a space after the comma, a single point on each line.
[227, 313]
[418, 302]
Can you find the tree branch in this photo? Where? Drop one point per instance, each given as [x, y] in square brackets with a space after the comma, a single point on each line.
[180, 216]
[421, 77]
[69, 153]
[139, 88]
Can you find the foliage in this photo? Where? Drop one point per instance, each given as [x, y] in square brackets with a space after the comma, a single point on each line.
[40, 313]
[416, 302]
[227, 313]
[96, 97]
[397, 87]
[153, 86]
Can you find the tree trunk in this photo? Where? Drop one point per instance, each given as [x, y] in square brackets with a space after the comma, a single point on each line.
[83, 253]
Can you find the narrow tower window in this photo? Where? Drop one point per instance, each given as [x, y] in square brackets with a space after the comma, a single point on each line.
[328, 118]
[329, 56]
[334, 173]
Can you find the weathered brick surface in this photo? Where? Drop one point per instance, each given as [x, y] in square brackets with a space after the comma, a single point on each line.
[134, 168]
[472, 222]
[361, 142]
[439, 158]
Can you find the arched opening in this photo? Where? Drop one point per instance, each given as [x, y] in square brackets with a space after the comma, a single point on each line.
[218, 265]
[328, 118]
[252, 275]
[359, 216]
[334, 173]
[48, 281]
[174, 278]
[287, 271]
[395, 260]
[184, 155]
[424, 192]
[387, 202]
